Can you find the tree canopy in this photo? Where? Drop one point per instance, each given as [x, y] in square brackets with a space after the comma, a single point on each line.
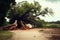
[27, 12]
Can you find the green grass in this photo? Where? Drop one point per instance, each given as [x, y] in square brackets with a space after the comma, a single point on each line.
[5, 35]
[41, 30]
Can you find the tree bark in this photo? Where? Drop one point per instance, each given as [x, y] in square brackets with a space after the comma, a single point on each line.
[20, 24]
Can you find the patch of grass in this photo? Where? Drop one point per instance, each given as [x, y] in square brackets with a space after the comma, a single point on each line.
[41, 30]
[5, 35]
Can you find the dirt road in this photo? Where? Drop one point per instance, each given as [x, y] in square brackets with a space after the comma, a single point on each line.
[32, 34]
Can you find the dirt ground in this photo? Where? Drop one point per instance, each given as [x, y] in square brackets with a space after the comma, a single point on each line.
[36, 34]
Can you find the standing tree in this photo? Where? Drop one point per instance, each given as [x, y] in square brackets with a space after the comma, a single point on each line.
[4, 7]
[26, 12]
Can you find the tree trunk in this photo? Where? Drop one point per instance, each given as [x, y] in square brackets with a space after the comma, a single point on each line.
[20, 24]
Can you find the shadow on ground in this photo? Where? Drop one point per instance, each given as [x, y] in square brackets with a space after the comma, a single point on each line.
[55, 37]
[54, 33]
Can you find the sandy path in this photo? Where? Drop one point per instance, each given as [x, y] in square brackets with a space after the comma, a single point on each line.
[32, 34]
[35, 34]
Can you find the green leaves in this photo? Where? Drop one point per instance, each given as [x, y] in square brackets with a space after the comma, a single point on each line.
[28, 11]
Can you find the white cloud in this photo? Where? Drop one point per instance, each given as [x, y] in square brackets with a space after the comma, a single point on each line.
[52, 0]
[56, 9]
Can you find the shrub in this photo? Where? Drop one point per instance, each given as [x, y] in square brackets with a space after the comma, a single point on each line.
[52, 26]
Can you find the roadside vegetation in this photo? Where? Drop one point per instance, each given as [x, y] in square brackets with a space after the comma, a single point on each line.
[53, 24]
[5, 35]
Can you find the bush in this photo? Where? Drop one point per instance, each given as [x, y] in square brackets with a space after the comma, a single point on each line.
[52, 26]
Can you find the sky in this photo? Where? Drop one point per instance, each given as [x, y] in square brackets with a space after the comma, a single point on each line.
[53, 4]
